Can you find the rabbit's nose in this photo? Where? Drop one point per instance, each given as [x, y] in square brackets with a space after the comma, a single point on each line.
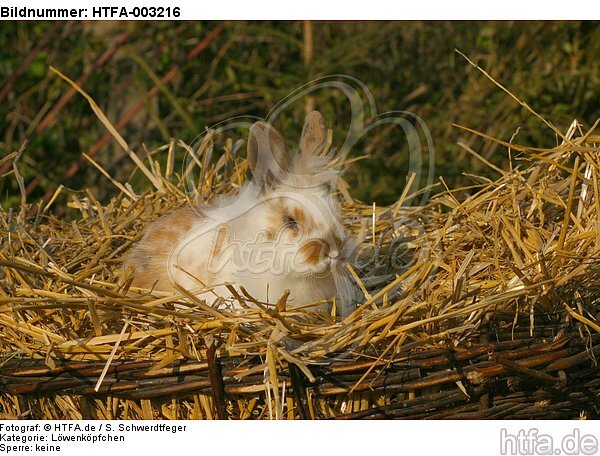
[333, 253]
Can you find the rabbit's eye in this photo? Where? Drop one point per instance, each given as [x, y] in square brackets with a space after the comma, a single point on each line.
[290, 222]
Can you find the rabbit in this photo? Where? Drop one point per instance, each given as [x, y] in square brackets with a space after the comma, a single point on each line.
[280, 232]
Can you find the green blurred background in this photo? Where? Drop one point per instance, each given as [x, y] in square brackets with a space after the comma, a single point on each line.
[213, 71]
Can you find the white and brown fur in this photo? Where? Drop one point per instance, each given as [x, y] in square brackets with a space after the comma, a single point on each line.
[288, 201]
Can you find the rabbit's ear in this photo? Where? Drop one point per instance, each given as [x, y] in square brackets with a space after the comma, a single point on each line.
[314, 135]
[268, 156]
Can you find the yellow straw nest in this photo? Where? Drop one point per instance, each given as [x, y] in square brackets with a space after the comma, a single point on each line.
[496, 295]
[482, 306]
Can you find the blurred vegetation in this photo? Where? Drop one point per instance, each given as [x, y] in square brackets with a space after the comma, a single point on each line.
[247, 68]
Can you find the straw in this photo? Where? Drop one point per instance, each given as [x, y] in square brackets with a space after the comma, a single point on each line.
[482, 303]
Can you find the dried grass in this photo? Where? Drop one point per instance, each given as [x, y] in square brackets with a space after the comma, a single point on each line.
[491, 312]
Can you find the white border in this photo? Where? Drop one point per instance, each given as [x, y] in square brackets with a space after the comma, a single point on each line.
[346, 10]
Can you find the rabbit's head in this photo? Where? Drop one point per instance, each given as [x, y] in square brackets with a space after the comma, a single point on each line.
[298, 209]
